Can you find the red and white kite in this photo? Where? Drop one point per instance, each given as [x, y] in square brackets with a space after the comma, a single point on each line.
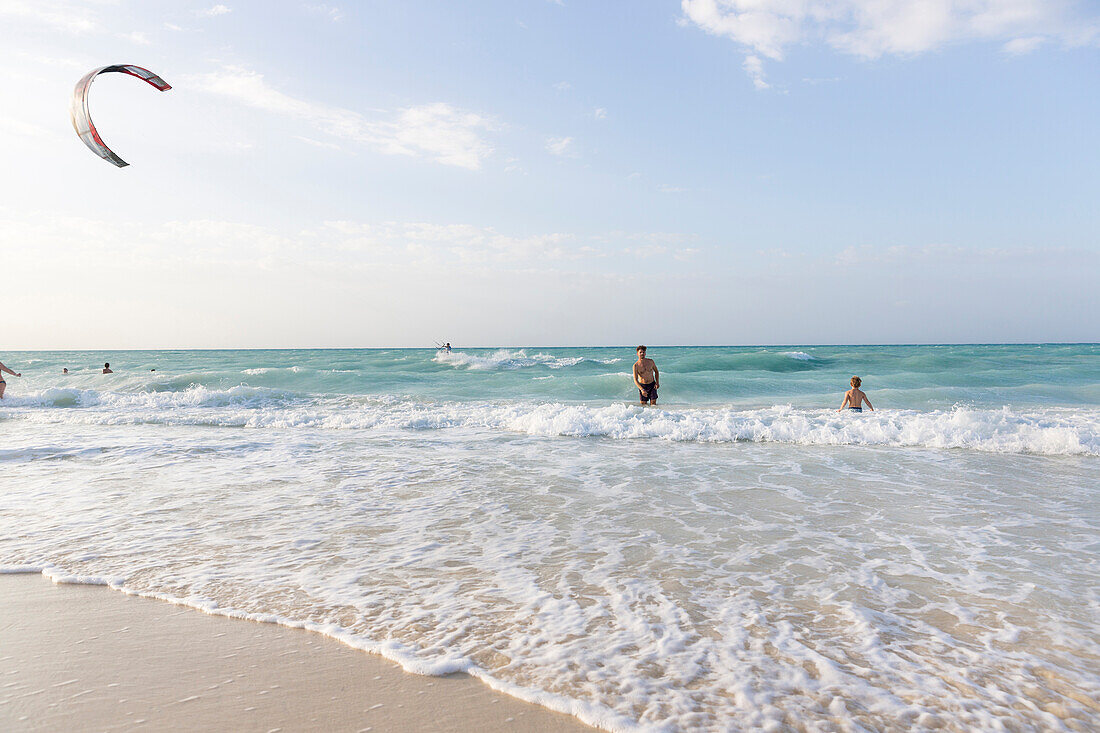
[82, 118]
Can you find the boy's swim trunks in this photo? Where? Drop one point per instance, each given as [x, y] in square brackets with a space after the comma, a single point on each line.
[648, 392]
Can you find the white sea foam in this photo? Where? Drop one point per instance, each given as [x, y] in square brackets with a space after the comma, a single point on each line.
[637, 588]
[509, 360]
[798, 355]
[670, 568]
[1050, 431]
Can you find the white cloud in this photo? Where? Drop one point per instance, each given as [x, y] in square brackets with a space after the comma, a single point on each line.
[333, 13]
[563, 86]
[754, 67]
[61, 62]
[449, 135]
[671, 189]
[60, 16]
[951, 253]
[870, 29]
[9, 126]
[317, 143]
[1021, 46]
[600, 113]
[173, 27]
[214, 11]
[559, 145]
[438, 131]
[137, 37]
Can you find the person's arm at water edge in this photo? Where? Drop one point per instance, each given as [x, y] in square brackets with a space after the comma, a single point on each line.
[847, 399]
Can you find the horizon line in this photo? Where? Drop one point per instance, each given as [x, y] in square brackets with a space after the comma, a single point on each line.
[567, 346]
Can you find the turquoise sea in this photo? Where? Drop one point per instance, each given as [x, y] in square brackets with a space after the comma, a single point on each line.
[740, 556]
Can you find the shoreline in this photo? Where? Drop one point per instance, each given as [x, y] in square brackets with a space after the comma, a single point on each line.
[73, 656]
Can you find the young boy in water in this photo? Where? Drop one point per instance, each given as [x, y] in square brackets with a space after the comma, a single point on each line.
[854, 398]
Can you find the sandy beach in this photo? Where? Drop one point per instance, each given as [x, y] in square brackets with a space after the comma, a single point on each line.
[78, 657]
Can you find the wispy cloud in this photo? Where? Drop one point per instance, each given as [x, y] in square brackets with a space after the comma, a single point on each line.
[870, 29]
[438, 131]
[337, 243]
[9, 126]
[214, 11]
[754, 67]
[137, 37]
[1021, 46]
[559, 146]
[62, 16]
[563, 86]
[600, 113]
[317, 143]
[332, 12]
[62, 62]
[951, 253]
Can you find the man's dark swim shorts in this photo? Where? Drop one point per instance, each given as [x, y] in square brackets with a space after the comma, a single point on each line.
[648, 392]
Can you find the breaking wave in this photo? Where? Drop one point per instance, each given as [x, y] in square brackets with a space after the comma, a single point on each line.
[508, 360]
[1043, 431]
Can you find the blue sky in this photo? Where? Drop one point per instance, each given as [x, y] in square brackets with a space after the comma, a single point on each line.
[534, 173]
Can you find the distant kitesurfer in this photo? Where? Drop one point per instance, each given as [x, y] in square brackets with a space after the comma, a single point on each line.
[107, 369]
[447, 347]
[854, 398]
[65, 370]
[3, 384]
[646, 378]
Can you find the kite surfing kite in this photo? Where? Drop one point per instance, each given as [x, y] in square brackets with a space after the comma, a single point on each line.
[82, 118]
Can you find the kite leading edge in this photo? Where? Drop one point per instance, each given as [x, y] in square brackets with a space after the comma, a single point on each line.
[82, 118]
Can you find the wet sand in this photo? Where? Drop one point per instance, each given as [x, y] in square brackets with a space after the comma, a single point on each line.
[77, 657]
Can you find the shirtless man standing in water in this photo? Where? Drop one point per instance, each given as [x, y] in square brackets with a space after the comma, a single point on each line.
[646, 378]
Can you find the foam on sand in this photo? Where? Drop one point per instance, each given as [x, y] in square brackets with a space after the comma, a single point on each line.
[79, 659]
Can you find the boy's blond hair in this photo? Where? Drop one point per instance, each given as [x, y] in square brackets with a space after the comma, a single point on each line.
[856, 381]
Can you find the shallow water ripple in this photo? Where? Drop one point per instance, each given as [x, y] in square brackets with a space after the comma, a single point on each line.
[675, 585]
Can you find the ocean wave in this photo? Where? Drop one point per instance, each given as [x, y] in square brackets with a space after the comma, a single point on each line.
[748, 361]
[1053, 431]
[242, 395]
[506, 359]
[999, 431]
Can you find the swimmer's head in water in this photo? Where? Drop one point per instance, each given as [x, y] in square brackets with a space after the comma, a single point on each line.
[856, 381]
[106, 365]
